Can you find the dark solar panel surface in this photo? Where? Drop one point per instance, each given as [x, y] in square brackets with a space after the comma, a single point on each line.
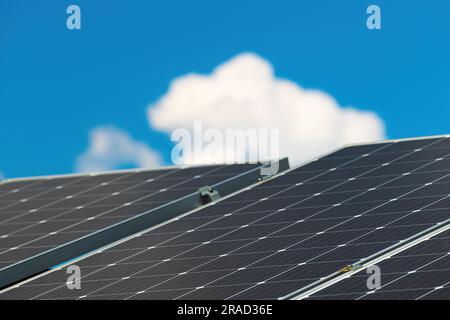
[420, 272]
[40, 214]
[277, 237]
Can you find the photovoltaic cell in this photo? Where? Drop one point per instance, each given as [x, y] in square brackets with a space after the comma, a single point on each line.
[277, 237]
[37, 215]
[421, 272]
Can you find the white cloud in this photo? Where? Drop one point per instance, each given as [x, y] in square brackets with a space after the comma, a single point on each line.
[111, 148]
[244, 93]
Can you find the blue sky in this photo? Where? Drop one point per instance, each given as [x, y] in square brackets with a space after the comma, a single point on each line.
[56, 85]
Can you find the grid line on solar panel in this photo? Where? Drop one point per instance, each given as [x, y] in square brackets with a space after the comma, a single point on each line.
[112, 194]
[333, 170]
[361, 264]
[271, 278]
[13, 186]
[388, 198]
[70, 195]
[420, 272]
[49, 228]
[149, 193]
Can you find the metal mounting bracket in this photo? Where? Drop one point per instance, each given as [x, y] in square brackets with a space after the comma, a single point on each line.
[208, 194]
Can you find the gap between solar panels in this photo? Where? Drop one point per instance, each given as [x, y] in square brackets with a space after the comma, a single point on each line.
[363, 264]
[42, 262]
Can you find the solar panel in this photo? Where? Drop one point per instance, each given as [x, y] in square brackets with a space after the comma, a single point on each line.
[40, 215]
[277, 237]
[419, 273]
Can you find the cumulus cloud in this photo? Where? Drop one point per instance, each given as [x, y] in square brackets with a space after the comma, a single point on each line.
[111, 148]
[244, 93]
